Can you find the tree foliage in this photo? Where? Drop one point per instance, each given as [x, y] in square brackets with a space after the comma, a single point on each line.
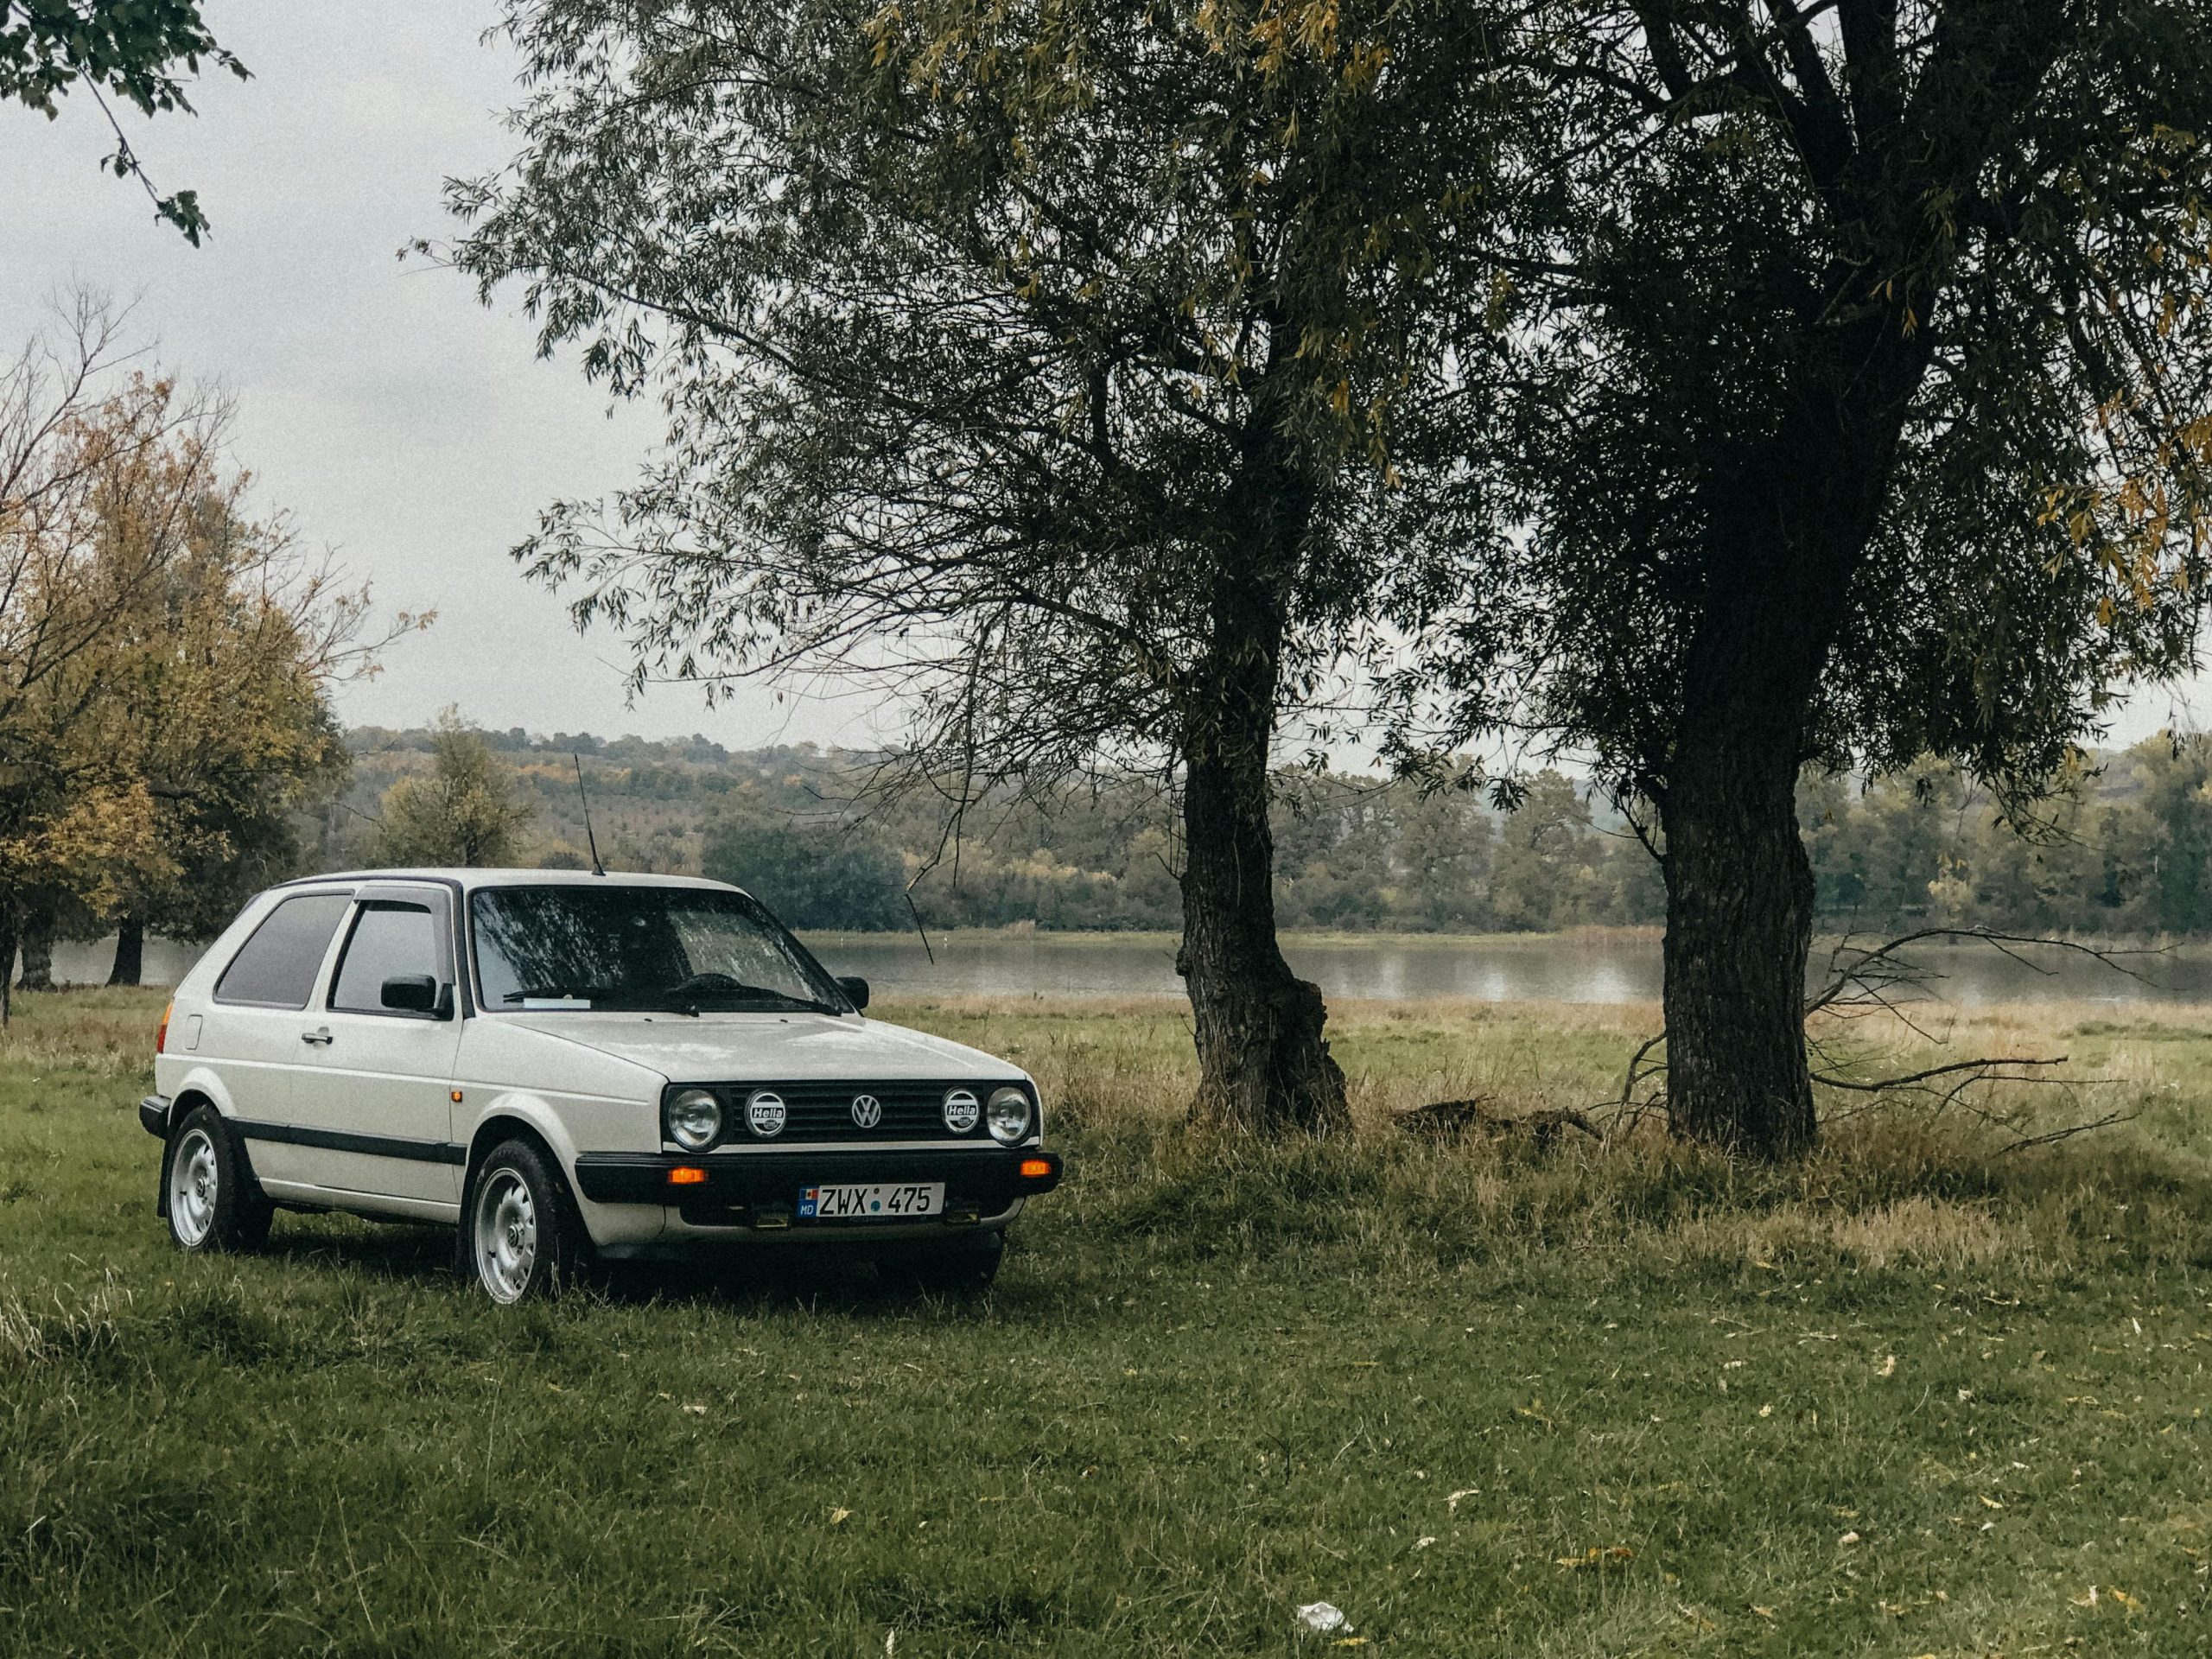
[165, 659]
[1852, 393]
[818, 880]
[460, 813]
[133, 50]
[1068, 368]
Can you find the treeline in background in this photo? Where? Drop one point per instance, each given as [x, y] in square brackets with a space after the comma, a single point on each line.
[2125, 849]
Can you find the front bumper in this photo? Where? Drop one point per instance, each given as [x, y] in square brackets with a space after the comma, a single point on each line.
[761, 1189]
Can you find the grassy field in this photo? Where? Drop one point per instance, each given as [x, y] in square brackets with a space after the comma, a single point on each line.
[1922, 1396]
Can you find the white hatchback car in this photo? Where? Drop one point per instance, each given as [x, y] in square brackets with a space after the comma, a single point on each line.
[562, 1064]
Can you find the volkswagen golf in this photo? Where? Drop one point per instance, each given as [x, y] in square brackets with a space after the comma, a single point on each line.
[568, 1065]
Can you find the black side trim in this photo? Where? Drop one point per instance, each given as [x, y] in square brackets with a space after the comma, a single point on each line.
[374, 1146]
[154, 1115]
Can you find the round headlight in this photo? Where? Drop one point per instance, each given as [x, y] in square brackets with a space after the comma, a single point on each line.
[764, 1115]
[695, 1118]
[962, 1111]
[1009, 1114]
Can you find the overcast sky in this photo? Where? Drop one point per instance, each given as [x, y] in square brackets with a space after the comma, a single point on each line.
[393, 416]
[396, 419]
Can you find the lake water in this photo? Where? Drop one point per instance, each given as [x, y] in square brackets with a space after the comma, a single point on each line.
[1539, 968]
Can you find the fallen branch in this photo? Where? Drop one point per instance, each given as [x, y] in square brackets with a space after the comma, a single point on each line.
[1878, 971]
[1866, 979]
[1884, 1085]
[2069, 1132]
[1636, 1069]
[1453, 1119]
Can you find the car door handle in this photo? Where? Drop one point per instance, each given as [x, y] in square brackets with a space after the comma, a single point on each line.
[321, 1037]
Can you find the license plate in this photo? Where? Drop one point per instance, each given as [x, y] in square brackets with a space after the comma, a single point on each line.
[877, 1202]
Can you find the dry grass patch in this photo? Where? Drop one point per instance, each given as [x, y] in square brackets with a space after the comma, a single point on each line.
[1919, 1232]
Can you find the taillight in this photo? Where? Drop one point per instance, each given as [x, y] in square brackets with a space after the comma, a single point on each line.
[161, 1032]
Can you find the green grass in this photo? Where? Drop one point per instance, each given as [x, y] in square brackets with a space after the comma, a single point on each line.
[1919, 1396]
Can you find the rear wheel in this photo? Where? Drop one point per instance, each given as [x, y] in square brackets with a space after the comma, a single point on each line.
[213, 1202]
[522, 1236]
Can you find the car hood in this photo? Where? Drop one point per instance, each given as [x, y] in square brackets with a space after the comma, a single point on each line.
[771, 1048]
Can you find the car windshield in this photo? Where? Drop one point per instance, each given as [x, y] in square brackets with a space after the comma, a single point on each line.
[678, 948]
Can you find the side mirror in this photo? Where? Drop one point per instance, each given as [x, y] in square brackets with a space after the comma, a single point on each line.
[856, 991]
[411, 993]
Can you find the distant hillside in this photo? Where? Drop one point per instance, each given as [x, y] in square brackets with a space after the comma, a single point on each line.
[2128, 851]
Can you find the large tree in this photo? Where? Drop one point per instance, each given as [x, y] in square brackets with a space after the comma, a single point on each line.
[137, 51]
[1064, 367]
[221, 675]
[1859, 414]
[163, 659]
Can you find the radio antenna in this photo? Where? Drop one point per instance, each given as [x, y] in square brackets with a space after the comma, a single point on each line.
[590, 840]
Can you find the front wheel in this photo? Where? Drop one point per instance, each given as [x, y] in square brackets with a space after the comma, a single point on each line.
[213, 1200]
[522, 1238]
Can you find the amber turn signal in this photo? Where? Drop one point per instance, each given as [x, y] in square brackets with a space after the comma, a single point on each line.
[1035, 1169]
[686, 1175]
[162, 1031]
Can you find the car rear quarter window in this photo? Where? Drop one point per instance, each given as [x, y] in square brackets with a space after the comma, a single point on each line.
[276, 967]
[389, 940]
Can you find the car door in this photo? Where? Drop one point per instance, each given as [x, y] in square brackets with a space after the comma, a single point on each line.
[257, 1016]
[379, 1104]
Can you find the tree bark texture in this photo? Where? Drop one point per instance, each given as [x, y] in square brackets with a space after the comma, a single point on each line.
[1740, 924]
[10, 934]
[1263, 1065]
[129, 952]
[39, 927]
[1740, 888]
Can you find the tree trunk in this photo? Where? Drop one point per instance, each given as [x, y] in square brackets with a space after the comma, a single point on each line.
[1263, 1065]
[10, 930]
[129, 952]
[40, 924]
[1740, 888]
[1739, 922]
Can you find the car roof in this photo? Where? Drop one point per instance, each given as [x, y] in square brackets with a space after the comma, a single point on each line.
[468, 878]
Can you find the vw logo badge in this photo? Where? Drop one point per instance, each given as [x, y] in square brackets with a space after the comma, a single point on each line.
[868, 1111]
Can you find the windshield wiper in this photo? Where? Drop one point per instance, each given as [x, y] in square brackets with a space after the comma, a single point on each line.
[556, 994]
[694, 994]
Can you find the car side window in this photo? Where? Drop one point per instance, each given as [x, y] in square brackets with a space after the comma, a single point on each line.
[276, 967]
[389, 939]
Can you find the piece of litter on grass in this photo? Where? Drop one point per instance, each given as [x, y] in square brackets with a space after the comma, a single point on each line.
[890, 1643]
[1423, 1542]
[1888, 1367]
[1323, 1618]
[1848, 1538]
[1764, 1612]
[1451, 1503]
[697, 1411]
[838, 1517]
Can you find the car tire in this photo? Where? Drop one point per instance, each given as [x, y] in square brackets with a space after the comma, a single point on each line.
[208, 1193]
[965, 1267]
[520, 1234]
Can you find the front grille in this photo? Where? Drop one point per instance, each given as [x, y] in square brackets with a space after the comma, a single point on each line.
[823, 1111]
